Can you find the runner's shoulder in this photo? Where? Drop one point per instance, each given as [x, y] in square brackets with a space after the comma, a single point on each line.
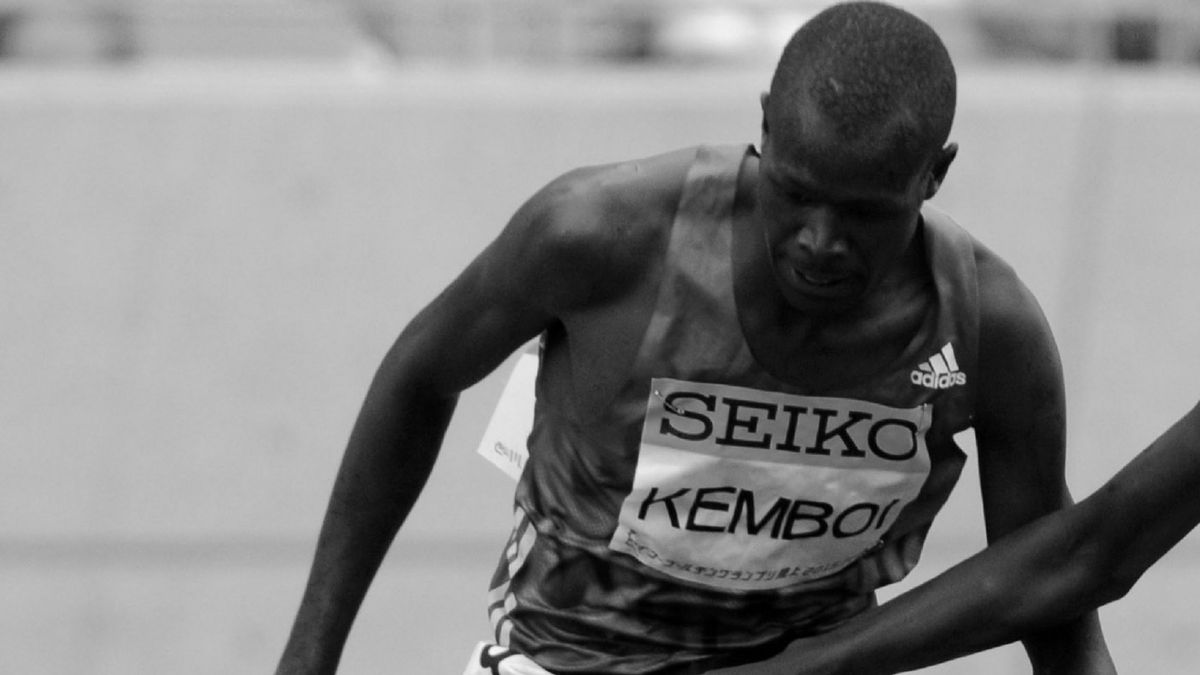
[622, 201]
[1013, 328]
[601, 227]
[1004, 298]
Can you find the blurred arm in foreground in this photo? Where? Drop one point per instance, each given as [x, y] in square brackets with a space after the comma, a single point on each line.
[1053, 570]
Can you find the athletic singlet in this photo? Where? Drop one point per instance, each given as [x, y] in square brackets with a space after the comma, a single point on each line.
[711, 508]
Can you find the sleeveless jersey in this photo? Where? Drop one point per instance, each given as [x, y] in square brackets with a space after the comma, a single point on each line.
[712, 508]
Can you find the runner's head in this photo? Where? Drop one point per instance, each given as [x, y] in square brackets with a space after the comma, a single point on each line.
[854, 140]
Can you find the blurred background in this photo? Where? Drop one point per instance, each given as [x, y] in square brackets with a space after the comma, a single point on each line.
[215, 215]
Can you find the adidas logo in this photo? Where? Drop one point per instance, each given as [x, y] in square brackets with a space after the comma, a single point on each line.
[939, 371]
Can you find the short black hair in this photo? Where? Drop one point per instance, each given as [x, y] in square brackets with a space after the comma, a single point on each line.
[865, 63]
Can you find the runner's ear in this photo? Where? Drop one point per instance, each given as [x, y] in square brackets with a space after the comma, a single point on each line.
[763, 99]
[937, 171]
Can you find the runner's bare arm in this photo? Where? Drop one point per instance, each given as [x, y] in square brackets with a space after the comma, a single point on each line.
[1060, 566]
[1020, 430]
[553, 257]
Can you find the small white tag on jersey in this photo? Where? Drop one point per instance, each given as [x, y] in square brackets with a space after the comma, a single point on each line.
[505, 440]
[746, 490]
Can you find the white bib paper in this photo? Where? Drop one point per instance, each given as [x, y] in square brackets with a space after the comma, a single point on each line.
[505, 440]
[744, 489]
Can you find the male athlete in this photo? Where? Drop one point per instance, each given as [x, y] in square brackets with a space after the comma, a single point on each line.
[753, 363]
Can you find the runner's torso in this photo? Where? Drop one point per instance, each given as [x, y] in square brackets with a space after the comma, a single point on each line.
[708, 506]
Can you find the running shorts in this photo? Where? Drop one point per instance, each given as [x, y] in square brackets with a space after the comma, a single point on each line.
[492, 659]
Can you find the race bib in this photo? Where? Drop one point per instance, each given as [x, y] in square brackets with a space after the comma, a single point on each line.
[743, 489]
[504, 440]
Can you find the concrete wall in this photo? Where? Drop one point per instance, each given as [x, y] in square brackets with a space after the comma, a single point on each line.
[199, 272]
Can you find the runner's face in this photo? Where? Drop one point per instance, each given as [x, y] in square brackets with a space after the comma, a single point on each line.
[837, 216]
